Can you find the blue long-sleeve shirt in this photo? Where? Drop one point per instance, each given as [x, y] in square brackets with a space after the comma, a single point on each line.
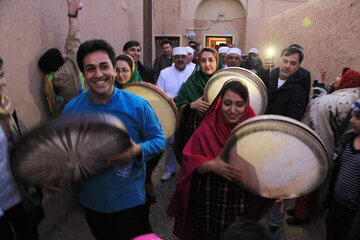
[121, 188]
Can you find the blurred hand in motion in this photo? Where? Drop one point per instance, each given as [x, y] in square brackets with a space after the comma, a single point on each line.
[268, 63]
[322, 75]
[74, 6]
[221, 168]
[125, 157]
[282, 205]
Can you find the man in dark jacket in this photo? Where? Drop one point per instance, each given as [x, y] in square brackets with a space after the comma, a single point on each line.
[288, 96]
[133, 48]
[164, 60]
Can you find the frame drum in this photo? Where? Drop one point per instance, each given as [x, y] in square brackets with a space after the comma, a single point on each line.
[279, 157]
[257, 91]
[164, 107]
[69, 149]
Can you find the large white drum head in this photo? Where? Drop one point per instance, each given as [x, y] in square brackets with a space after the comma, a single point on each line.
[257, 91]
[279, 157]
[69, 149]
[164, 107]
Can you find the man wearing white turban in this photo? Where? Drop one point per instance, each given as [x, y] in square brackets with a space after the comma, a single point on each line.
[222, 53]
[170, 80]
[233, 57]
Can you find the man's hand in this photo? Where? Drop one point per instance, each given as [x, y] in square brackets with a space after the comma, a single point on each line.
[268, 63]
[53, 190]
[125, 157]
[322, 75]
[73, 6]
[200, 105]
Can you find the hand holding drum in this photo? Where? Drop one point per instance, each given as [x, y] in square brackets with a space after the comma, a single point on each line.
[279, 157]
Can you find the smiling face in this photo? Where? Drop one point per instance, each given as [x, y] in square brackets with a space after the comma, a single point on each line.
[289, 65]
[123, 72]
[135, 52]
[99, 75]
[207, 62]
[233, 106]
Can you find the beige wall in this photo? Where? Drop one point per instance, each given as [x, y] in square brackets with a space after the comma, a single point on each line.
[261, 10]
[28, 28]
[176, 17]
[331, 39]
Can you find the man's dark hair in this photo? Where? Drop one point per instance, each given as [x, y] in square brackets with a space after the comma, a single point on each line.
[130, 44]
[51, 60]
[293, 50]
[93, 46]
[222, 45]
[246, 230]
[1, 62]
[165, 42]
[194, 42]
[296, 45]
[125, 58]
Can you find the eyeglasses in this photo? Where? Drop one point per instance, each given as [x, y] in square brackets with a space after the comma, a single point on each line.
[124, 71]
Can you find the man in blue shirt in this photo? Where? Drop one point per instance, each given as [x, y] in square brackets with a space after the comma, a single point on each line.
[114, 201]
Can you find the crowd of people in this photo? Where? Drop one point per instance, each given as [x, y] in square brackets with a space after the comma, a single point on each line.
[88, 77]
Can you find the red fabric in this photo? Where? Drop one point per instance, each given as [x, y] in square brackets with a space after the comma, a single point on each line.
[350, 79]
[204, 145]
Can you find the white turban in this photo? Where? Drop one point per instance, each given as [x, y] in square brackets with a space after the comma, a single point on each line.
[190, 50]
[234, 50]
[223, 50]
[253, 50]
[179, 51]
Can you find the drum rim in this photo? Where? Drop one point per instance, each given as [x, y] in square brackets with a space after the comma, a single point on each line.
[247, 73]
[73, 120]
[278, 118]
[64, 123]
[161, 93]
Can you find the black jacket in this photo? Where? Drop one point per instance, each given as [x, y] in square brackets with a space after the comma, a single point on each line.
[146, 74]
[290, 99]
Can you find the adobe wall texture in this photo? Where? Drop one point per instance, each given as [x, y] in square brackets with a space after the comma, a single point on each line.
[328, 30]
[28, 28]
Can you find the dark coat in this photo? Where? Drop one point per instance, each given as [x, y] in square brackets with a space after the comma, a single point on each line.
[160, 63]
[146, 74]
[290, 99]
[327, 188]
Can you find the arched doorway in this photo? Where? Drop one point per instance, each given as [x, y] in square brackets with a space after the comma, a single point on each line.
[221, 21]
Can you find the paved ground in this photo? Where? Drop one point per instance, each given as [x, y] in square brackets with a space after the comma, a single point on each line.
[74, 226]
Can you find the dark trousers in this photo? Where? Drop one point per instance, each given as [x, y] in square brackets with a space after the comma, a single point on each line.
[338, 221]
[122, 225]
[17, 224]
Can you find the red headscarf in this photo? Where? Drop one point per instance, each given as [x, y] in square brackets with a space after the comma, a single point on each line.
[350, 79]
[204, 145]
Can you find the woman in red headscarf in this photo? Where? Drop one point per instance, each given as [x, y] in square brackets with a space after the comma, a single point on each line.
[206, 200]
[329, 115]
